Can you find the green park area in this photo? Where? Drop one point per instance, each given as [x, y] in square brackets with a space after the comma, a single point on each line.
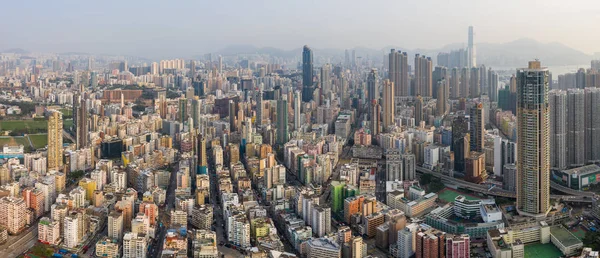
[449, 194]
[26, 126]
[542, 250]
[18, 139]
[38, 140]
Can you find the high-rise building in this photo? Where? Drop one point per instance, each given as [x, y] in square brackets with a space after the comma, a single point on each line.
[322, 248]
[307, 74]
[471, 48]
[321, 223]
[430, 244]
[442, 97]
[12, 214]
[115, 225]
[492, 85]
[477, 128]
[82, 122]
[192, 70]
[72, 230]
[282, 120]
[575, 128]
[372, 85]
[455, 83]
[398, 72]
[259, 108]
[592, 125]
[439, 73]
[48, 231]
[423, 73]
[405, 243]
[460, 142]
[465, 75]
[388, 104]
[533, 146]
[458, 246]
[325, 78]
[474, 83]
[232, 109]
[375, 118]
[297, 110]
[134, 245]
[418, 110]
[55, 140]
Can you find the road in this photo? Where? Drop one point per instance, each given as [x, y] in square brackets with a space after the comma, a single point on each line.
[16, 245]
[577, 196]
[218, 221]
[164, 213]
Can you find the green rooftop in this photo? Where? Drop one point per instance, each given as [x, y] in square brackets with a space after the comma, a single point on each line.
[449, 195]
[564, 236]
[539, 250]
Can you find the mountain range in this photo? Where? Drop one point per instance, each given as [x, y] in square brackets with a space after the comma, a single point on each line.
[510, 54]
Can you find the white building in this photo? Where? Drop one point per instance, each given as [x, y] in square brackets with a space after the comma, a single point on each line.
[134, 245]
[49, 231]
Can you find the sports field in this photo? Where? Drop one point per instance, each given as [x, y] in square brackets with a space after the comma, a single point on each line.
[579, 232]
[449, 194]
[542, 250]
[39, 140]
[18, 140]
[12, 125]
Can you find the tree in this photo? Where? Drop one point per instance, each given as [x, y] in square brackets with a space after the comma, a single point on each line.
[425, 179]
[436, 186]
[592, 239]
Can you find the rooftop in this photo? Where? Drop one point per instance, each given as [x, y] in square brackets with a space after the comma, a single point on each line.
[542, 250]
[564, 236]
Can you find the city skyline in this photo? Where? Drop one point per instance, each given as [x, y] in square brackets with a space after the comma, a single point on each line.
[105, 30]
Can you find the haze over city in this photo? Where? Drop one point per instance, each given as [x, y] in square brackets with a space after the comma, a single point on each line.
[183, 28]
[300, 129]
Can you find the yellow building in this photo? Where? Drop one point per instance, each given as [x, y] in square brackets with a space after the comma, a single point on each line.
[259, 228]
[55, 140]
[89, 186]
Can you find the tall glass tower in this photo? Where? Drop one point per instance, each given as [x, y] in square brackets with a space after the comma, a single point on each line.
[533, 144]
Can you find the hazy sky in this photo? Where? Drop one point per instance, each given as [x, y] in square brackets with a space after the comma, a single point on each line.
[184, 28]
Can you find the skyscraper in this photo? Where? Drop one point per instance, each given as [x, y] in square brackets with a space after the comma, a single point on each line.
[388, 104]
[418, 110]
[375, 118]
[575, 128]
[455, 83]
[474, 87]
[325, 78]
[471, 46]
[423, 80]
[307, 74]
[81, 120]
[282, 120]
[55, 140]
[442, 97]
[398, 72]
[232, 106]
[557, 100]
[297, 106]
[192, 70]
[477, 128]
[492, 85]
[533, 146]
[460, 142]
[259, 108]
[372, 85]
[439, 73]
[464, 82]
[592, 125]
